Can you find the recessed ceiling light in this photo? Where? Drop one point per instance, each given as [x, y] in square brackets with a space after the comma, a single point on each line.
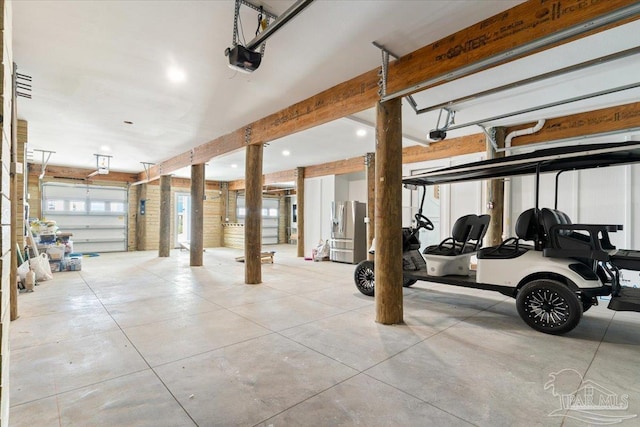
[105, 148]
[361, 132]
[234, 166]
[176, 75]
[286, 152]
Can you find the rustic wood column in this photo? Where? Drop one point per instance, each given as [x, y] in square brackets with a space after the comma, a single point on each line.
[370, 167]
[300, 209]
[197, 215]
[253, 216]
[13, 194]
[141, 220]
[495, 193]
[165, 216]
[388, 212]
[224, 202]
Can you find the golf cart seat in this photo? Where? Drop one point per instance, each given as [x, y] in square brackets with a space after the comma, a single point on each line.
[453, 255]
[583, 241]
[562, 239]
[526, 230]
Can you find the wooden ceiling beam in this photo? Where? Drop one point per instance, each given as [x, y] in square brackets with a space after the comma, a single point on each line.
[525, 23]
[340, 167]
[521, 25]
[605, 120]
[450, 147]
[267, 179]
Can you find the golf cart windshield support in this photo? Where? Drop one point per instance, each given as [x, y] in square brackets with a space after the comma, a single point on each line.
[555, 201]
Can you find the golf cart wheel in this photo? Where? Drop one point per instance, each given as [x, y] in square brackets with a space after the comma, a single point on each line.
[408, 282]
[549, 306]
[364, 278]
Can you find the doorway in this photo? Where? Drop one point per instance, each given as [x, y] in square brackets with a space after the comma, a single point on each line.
[183, 218]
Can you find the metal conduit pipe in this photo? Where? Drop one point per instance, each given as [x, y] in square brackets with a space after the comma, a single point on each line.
[288, 15]
[506, 213]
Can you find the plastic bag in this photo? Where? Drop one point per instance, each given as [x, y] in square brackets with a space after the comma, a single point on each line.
[321, 252]
[23, 270]
[41, 267]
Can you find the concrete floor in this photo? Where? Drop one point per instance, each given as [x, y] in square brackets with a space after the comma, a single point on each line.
[135, 340]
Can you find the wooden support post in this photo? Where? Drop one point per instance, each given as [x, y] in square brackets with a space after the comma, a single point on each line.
[141, 220]
[197, 215]
[300, 209]
[388, 212]
[495, 193]
[165, 216]
[224, 202]
[370, 166]
[253, 218]
[13, 194]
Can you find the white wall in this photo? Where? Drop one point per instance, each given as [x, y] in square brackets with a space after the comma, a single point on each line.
[341, 188]
[318, 195]
[358, 190]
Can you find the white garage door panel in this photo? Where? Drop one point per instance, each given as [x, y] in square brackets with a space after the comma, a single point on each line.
[95, 215]
[270, 213]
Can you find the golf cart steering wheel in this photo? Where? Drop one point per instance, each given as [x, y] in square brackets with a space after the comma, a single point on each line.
[424, 222]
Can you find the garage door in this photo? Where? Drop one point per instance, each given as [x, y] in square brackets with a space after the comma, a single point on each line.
[96, 215]
[270, 209]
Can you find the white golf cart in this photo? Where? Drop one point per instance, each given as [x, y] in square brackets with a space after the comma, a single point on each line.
[554, 269]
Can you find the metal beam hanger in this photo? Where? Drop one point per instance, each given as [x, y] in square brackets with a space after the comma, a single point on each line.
[386, 53]
[147, 166]
[46, 156]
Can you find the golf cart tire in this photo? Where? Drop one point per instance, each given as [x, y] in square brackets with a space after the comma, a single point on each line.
[408, 282]
[365, 278]
[549, 306]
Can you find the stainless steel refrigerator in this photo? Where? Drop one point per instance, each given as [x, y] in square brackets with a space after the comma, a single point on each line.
[348, 232]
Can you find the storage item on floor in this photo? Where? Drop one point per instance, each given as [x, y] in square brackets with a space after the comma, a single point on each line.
[72, 263]
[47, 238]
[40, 265]
[265, 257]
[55, 266]
[56, 253]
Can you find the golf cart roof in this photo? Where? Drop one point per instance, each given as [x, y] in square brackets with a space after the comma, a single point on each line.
[547, 160]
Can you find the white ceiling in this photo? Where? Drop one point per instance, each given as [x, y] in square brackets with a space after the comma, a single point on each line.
[98, 64]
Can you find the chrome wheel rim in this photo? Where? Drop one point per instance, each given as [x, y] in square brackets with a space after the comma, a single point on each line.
[547, 308]
[366, 278]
